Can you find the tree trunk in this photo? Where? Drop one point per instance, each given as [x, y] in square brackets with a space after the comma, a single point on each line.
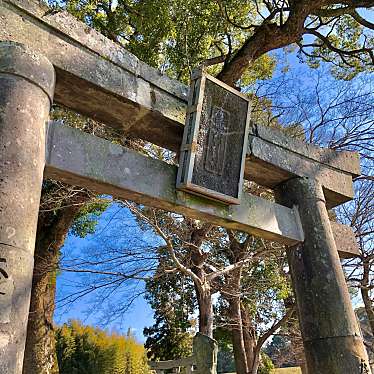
[204, 298]
[250, 342]
[366, 296]
[40, 353]
[203, 288]
[256, 361]
[233, 298]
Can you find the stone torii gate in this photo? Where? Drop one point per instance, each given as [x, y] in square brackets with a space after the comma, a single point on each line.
[46, 58]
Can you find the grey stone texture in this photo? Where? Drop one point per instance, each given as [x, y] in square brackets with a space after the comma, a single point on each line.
[205, 350]
[27, 82]
[348, 162]
[270, 164]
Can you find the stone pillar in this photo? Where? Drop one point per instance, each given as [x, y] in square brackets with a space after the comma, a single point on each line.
[331, 335]
[26, 91]
[205, 351]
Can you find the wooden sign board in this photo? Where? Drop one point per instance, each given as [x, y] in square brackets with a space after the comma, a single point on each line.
[214, 142]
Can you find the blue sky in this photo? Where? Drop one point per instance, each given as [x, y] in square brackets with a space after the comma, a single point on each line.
[116, 229]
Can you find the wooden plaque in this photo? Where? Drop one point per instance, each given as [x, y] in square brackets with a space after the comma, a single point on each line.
[214, 142]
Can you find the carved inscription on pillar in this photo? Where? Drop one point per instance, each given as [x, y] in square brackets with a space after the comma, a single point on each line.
[6, 292]
[217, 141]
[214, 141]
[3, 276]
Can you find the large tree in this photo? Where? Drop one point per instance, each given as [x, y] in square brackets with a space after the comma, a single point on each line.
[252, 308]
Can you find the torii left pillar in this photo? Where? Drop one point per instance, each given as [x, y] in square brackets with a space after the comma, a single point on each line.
[27, 83]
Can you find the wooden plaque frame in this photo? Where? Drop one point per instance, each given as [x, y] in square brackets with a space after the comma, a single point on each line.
[195, 136]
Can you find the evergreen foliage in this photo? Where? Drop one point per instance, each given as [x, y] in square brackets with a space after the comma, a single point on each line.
[174, 36]
[88, 350]
[86, 220]
[173, 301]
[266, 366]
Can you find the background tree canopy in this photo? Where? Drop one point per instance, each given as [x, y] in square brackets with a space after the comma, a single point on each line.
[87, 350]
[178, 35]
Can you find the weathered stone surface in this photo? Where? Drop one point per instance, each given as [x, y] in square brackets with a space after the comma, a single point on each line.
[24, 109]
[160, 366]
[68, 27]
[205, 350]
[85, 160]
[19, 60]
[26, 81]
[340, 160]
[203, 359]
[16, 267]
[219, 153]
[334, 353]
[330, 331]
[277, 164]
[345, 240]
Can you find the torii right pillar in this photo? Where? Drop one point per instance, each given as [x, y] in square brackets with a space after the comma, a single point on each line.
[330, 331]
